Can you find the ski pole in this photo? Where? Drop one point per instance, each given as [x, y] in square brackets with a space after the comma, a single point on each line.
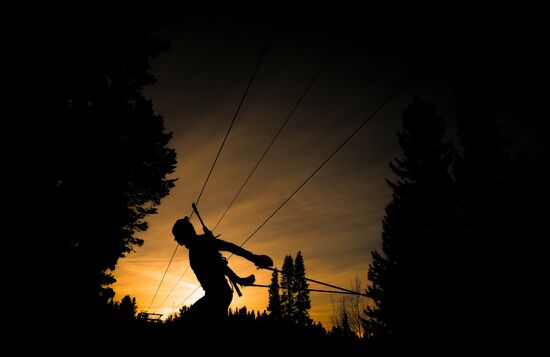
[198, 215]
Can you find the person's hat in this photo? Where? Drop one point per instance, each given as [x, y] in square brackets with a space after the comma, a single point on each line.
[183, 228]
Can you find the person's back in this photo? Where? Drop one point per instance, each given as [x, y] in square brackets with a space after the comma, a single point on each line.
[209, 268]
[207, 262]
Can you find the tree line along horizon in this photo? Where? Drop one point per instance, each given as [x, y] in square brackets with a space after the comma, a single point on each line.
[449, 271]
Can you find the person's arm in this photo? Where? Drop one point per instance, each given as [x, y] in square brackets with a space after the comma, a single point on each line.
[235, 249]
[231, 274]
[259, 260]
[249, 280]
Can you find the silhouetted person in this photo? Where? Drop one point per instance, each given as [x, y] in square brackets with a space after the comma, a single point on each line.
[211, 268]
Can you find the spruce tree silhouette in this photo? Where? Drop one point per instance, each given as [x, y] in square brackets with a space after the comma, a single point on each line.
[412, 282]
[287, 284]
[274, 302]
[302, 300]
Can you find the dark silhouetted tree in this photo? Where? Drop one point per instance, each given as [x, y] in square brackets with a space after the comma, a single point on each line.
[103, 150]
[377, 324]
[288, 305]
[302, 300]
[127, 308]
[274, 305]
[412, 282]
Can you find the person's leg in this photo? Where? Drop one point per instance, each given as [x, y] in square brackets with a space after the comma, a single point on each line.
[196, 311]
[219, 300]
[225, 299]
[212, 307]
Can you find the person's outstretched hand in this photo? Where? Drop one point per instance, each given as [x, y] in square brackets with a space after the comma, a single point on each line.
[263, 261]
[249, 280]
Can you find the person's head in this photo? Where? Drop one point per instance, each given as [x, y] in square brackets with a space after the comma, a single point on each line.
[183, 230]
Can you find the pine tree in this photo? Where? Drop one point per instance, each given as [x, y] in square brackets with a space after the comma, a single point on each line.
[412, 281]
[127, 308]
[274, 306]
[287, 284]
[302, 300]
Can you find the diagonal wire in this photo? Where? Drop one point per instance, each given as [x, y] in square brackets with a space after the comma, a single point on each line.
[275, 137]
[188, 296]
[234, 118]
[315, 290]
[367, 119]
[175, 285]
[338, 148]
[306, 90]
[264, 51]
[318, 282]
[163, 276]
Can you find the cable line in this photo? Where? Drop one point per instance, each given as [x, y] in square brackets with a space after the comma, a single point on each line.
[188, 296]
[369, 117]
[320, 282]
[175, 285]
[304, 93]
[342, 290]
[163, 276]
[264, 51]
[314, 290]
[338, 148]
[234, 118]
[275, 137]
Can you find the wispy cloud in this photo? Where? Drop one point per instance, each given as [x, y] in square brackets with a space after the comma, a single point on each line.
[335, 220]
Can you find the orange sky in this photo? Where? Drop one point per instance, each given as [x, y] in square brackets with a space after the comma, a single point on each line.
[335, 220]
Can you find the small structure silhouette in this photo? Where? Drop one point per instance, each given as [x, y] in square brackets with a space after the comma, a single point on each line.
[149, 317]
